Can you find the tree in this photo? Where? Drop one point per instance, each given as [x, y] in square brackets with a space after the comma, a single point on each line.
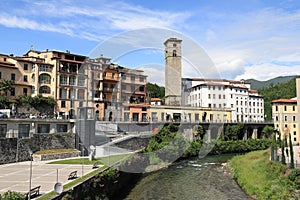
[155, 91]
[267, 131]
[282, 144]
[198, 132]
[234, 132]
[6, 85]
[292, 165]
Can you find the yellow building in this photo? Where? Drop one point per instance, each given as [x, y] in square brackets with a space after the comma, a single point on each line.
[285, 114]
[188, 114]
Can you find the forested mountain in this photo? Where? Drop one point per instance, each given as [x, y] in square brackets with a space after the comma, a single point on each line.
[277, 91]
[258, 85]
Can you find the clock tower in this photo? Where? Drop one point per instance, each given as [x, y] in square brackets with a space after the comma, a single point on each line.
[173, 72]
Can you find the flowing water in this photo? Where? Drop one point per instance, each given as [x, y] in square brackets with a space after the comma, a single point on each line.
[190, 179]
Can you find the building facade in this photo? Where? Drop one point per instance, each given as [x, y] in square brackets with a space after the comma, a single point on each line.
[246, 105]
[286, 115]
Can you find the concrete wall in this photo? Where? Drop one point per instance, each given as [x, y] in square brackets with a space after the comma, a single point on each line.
[13, 149]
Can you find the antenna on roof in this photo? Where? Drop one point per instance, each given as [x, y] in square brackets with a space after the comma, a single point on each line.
[31, 47]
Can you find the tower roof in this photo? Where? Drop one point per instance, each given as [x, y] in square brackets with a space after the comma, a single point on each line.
[172, 39]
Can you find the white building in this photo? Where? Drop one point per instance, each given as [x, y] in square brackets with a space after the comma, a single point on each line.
[246, 105]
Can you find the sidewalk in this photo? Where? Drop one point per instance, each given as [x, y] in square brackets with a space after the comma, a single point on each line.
[15, 176]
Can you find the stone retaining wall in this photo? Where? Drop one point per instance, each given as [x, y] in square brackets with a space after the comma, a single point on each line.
[55, 156]
[15, 150]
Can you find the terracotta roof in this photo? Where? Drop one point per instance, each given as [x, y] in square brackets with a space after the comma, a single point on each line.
[155, 99]
[284, 101]
[216, 80]
[252, 91]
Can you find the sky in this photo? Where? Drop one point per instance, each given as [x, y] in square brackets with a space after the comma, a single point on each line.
[238, 39]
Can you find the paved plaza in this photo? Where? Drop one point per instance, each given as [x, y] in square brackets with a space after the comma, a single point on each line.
[15, 176]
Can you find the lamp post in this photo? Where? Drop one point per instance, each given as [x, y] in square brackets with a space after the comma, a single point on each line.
[30, 174]
[82, 155]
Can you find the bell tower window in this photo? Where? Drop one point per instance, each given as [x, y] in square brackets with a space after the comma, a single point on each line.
[174, 53]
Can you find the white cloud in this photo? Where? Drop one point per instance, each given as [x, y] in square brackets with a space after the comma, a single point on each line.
[156, 74]
[93, 20]
[266, 71]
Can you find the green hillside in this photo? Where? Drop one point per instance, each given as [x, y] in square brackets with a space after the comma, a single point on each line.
[258, 85]
[277, 91]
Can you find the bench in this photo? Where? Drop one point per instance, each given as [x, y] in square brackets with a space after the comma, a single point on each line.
[34, 192]
[72, 175]
[96, 165]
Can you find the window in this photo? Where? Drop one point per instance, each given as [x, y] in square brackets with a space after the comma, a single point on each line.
[45, 68]
[63, 80]
[124, 76]
[142, 79]
[284, 108]
[196, 117]
[25, 66]
[12, 92]
[43, 128]
[63, 104]
[45, 90]
[25, 91]
[276, 108]
[25, 78]
[45, 79]
[80, 94]
[24, 130]
[294, 125]
[13, 77]
[142, 88]
[174, 44]
[174, 53]
[0, 75]
[62, 93]
[62, 128]
[81, 81]
[295, 133]
[209, 96]
[294, 118]
[3, 130]
[132, 88]
[72, 80]
[132, 78]
[285, 118]
[294, 108]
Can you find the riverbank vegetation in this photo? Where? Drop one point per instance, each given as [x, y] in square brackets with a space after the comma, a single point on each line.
[264, 179]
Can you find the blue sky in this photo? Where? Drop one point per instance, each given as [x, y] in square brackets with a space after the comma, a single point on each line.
[244, 39]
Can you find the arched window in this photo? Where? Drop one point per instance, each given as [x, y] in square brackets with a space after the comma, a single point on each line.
[33, 78]
[45, 90]
[174, 53]
[45, 79]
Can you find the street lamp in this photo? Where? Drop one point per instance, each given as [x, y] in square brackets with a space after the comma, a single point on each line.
[82, 154]
[30, 174]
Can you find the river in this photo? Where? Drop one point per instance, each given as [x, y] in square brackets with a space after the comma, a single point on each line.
[189, 179]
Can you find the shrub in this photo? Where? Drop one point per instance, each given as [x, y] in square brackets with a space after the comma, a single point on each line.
[12, 195]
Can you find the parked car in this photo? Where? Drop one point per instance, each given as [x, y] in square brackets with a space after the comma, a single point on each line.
[3, 115]
[32, 116]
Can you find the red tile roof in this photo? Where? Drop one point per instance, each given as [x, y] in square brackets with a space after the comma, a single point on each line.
[284, 101]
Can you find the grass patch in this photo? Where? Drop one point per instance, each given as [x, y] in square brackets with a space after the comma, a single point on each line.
[260, 177]
[108, 160]
[76, 161]
[53, 151]
[73, 183]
